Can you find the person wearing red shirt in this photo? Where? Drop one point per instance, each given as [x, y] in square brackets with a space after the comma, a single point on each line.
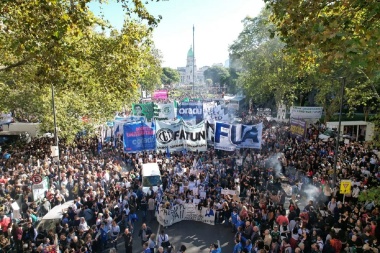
[5, 223]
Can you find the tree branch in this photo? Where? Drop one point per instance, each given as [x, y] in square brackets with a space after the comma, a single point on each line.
[370, 83]
[17, 64]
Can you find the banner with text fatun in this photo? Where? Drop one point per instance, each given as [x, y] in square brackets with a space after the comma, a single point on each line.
[177, 136]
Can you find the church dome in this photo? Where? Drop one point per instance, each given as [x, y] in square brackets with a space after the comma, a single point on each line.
[190, 53]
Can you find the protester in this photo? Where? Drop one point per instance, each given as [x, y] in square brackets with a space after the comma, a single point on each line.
[285, 198]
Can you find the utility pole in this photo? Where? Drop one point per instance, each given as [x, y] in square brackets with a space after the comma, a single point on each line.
[339, 126]
[193, 62]
[56, 151]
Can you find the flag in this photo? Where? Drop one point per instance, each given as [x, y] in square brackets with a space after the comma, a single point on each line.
[167, 152]
[199, 165]
[99, 146]
[116, 135]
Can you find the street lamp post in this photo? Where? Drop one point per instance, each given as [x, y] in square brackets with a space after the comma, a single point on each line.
[339, 126]
[55, 153]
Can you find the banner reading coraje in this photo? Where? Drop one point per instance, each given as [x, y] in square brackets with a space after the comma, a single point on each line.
[177, 136]
[138, 137]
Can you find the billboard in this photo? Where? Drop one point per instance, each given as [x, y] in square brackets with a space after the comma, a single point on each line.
[177, 136]
[230, 137]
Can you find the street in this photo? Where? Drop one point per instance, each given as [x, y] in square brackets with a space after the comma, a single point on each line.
[196, 236]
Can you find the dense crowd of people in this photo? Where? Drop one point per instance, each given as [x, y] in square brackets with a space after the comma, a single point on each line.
[285, 198]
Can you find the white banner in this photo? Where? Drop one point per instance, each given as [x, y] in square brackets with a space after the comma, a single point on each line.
[303, 112]
[228, 192]
[177, 136]
[188, 211]
[213, 112]
[164, 111]
[230, 137]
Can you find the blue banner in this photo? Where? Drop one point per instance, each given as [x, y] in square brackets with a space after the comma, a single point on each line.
[230, 137]
[138, 137]
[191, 112]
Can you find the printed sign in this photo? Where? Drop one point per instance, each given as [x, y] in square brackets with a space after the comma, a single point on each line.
[230, 137]
[177, 136]
[303, 112]
[143, 109]
[138, 137]
[345, 187]
[191, 112]
[160, 94]
[120, 121]
[267, 112]
[228, 192]
[164, 111]
[36, 179]
[298, 127]
[213, 112]
[188, 211]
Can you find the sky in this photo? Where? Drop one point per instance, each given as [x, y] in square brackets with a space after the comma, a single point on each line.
[217, 25]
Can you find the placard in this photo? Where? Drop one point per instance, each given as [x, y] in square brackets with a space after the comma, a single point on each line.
[228, 192]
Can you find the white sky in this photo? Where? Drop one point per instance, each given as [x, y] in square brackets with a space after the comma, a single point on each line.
[217, 24]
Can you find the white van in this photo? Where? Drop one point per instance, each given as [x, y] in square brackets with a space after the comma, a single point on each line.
[151, 176]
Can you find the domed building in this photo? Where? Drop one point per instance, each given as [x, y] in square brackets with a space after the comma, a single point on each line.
[186, 73]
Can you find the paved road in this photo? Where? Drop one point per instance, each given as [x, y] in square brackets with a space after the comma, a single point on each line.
[196, 236]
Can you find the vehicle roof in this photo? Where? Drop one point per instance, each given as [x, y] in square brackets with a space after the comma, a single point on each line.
[149, 169]
[58, 211]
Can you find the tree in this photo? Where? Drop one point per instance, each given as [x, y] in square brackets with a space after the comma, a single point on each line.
[334, 35]
[170, 76]
[94, 73]
[370, 195]
[218, 74]
[266, 72]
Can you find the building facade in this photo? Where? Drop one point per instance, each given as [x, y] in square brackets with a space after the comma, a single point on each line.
[186, 73]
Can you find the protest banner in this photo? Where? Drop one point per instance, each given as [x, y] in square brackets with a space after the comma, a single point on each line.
[230, 137]
[177, 136]
[187, 211]
[304, 112]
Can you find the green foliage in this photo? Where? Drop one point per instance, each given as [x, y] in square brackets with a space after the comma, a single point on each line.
[94, 74]
[170, 76]
[218, 74]
[370, 195]
[295, 52]
[266, 72]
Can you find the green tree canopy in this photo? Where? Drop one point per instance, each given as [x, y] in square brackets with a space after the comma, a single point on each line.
[218, 74]
[169, 76]
[94, 73]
